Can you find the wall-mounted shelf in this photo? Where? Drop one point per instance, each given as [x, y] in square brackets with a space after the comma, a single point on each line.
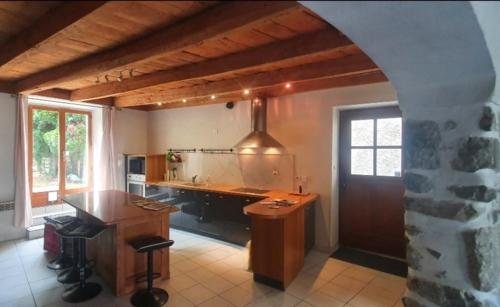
[182, 150]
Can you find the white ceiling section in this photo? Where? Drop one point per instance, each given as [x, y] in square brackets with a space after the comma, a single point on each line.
[432, 54]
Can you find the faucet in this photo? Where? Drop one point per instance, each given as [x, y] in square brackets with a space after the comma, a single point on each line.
[193, 179]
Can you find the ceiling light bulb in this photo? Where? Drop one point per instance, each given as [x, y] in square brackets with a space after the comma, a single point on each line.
[246, 92]
[288, 85]
[212, 97]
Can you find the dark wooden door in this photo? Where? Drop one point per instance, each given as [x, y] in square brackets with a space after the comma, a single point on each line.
[371, 187]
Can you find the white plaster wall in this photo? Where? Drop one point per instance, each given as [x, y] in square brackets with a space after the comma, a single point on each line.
[302, 122]
[130, 136]
[7, 137]
[488, 15]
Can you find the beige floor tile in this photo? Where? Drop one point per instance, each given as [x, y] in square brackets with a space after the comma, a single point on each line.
[181, 282]
[338, 293]
[304, 285]
[203, 259]
[303, 304]
[186, 266]
[218, 267]
[201, 274]
[218, 254]
[276, 299]
[216, 301]
[320, 299]
[348, 283]
[176, 257]
[237, 296]
[384, 295]
[26, 301]
[236, 276]
[360, 273]
[256, 289]
[177, 300]
[197, 294]
[218, 284]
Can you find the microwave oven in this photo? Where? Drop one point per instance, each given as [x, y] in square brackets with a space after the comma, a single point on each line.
[136, 165]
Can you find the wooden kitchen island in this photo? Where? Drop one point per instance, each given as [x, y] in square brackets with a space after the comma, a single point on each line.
[116, 261]
[278, 239]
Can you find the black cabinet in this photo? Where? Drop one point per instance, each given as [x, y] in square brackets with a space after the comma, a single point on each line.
[213, 214]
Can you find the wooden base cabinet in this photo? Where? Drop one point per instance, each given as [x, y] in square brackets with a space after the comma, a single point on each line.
[277, 251]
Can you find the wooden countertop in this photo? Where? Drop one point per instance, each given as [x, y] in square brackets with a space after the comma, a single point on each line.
[111, 207]
[256, 209]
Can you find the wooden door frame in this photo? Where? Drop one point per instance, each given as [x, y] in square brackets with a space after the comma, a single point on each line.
[40, 199]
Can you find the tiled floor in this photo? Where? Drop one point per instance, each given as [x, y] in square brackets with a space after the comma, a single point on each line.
[206, 273]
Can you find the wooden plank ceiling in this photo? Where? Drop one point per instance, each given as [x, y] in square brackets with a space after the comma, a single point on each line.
[164, 54]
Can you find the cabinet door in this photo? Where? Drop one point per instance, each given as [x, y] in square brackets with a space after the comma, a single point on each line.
[209, 222]
[190, 209]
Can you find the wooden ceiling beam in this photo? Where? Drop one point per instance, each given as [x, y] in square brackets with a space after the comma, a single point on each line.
[354, 64]
[52, 22]
[278, 90]
[300, 47]
[212, 23]
[66, 94]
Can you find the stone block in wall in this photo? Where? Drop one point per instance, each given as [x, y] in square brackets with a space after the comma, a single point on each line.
[458, 211]
[483, 257]
[417, 183]
[475, 153]
[488, 119]
[413, 257]
[442, 295]
[422, 140]
[477, 193]
[413, 230]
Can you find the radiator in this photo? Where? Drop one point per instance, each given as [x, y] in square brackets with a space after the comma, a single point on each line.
[6, 205]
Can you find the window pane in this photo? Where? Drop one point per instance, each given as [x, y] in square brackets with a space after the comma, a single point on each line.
[361, 161]
[76, 150]
[45, 150]
[362, 132]
[389, 162]
[389, 131]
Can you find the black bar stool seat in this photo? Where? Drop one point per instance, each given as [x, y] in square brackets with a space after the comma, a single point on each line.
[150, 297]
[82, 232]
[63, 261]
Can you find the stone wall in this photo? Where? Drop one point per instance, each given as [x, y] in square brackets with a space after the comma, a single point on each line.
[452, 205]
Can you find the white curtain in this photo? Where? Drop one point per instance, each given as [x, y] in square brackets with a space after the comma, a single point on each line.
[22, 201]
[107, 169]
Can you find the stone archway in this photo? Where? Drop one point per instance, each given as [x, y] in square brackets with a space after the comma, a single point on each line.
[438, 60]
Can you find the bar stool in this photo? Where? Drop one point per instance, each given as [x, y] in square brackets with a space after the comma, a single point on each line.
[82, 232]
[72, 275]
[150, 297]
[63, 261]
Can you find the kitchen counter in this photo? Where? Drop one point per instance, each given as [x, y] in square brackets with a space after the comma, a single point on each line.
[257, 209]
[115, 260]
[278, 236]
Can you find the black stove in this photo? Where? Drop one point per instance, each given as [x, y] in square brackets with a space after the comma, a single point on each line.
[250, 190]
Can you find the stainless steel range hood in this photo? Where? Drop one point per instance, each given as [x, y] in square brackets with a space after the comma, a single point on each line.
[258, 138]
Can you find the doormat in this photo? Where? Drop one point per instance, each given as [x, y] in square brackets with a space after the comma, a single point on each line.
[376, 262]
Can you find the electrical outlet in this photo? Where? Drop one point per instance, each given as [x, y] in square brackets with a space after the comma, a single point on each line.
[52, 196]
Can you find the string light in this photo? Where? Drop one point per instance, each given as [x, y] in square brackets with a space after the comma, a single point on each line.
[212, 97]
[159, 104]
[184, 100]
[288, 85]
[246, 92]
